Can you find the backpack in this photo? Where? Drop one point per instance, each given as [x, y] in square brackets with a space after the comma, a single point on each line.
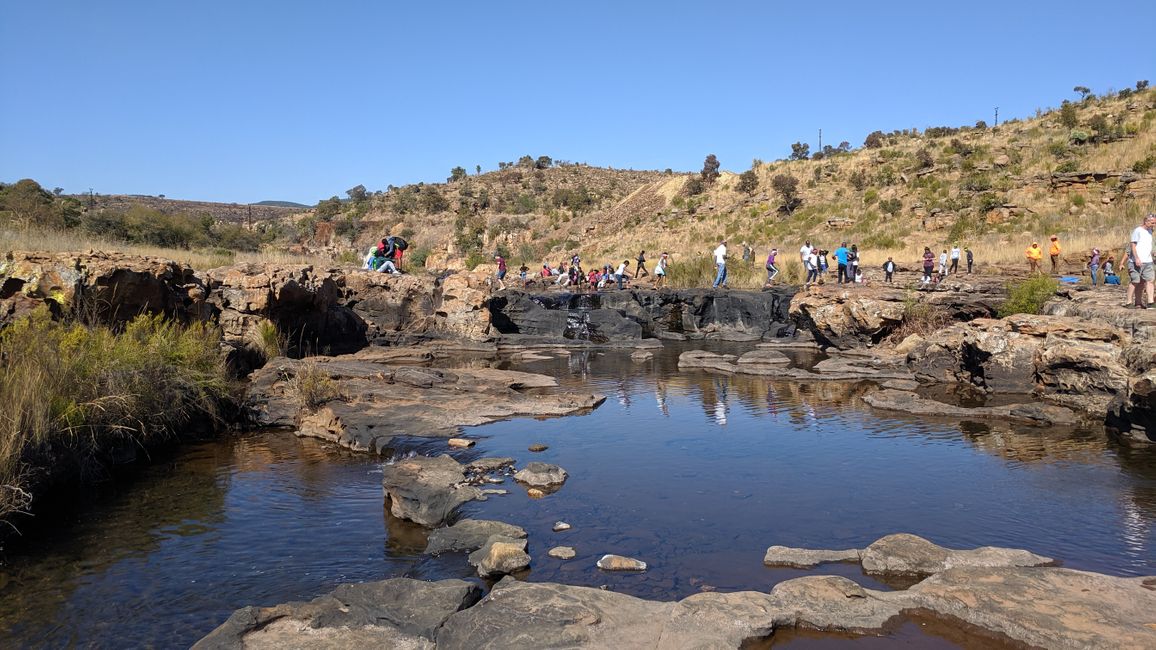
[400, 244]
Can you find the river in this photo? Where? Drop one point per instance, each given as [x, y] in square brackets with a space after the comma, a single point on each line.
[696, 474]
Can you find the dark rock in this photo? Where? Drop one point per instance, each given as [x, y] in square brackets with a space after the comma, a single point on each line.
[426, 490]
[470, 535]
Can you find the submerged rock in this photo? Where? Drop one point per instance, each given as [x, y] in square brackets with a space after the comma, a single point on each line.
[620, 563]
[1030, 413]
[537, 447]
[640, 356]
[906, 554]
[541, 475]
[470, 535]
[704, 360]
[426, 490]
[490, 464]
[803, 558]
[500, 555]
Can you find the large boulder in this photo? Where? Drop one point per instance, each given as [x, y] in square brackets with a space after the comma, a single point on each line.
[470, 535]
[845, 320]
[500, 555]
[426, 490]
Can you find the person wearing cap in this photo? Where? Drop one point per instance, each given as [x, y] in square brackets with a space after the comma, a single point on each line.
[660, 270]
[501, 271]
[1054, 252]
[1141, 249]
[1034, 254]
[720, 259]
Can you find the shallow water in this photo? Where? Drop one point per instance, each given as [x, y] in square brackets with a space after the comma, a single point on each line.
[694, 473]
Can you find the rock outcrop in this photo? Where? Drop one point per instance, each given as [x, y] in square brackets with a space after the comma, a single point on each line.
[363, 404]
[470, 535]
[675, 314]
[1028, 413]
[1035, 606]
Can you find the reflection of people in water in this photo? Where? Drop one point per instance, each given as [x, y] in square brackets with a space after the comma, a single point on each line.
[623, 394]
[772, 401]
[721, 405]
[660, 395]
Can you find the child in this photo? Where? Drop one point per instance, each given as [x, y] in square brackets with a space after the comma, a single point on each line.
[888, 269]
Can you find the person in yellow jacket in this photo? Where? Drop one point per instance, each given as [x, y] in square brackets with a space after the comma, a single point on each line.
[1034, 254]
[1054, 252]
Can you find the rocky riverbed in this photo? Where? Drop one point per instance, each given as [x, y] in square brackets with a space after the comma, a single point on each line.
[385, 386]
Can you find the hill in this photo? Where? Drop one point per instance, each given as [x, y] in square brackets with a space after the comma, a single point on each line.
[1086, 171]
[237, 213]
[283, 204]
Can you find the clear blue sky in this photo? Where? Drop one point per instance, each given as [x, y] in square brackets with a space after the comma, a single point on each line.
[246, 101]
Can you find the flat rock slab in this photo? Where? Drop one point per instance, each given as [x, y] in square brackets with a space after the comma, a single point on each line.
[400, 611]
[639, 356]
[907, 402]
[541, 475]
[426, 490]
[704, 360]
[369, 403]
[764, 357]
[470, 535]
[906, 554]
[500, 555]
[803, 558]
[490, 464]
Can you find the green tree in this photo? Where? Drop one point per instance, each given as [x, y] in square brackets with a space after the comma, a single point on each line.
[1142, 85]
[748, 182]
[710, 168]
[478, 169]
[543, 162]
[456, 174]
[328, 208]
[29, 204]
[1068, 116]
[357, 194]
[874, 140]
[787, 187]
[800, 151]
[1083, 90]
[433, 201]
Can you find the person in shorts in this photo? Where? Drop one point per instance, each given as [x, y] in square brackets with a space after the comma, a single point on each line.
[1140, 268]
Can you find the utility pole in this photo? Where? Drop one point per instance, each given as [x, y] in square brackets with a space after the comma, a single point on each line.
[996, 116]
[820, 140]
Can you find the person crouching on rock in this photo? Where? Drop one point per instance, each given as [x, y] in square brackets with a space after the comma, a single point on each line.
[620, 273]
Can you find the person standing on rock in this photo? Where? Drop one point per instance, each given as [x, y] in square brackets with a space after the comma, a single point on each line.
[811, 264]
[1094, 265]
[772, 270]
[803, 253]
[720, 259]
[970, 259]
[1054, 253]
[943, 264]
[955, 259]
[841, 260]
[501, 271]
[1141, 249]
[888, 270]
[853, 262]
[928, 265]
[641, 272]
[660, 270]
[1034, 254]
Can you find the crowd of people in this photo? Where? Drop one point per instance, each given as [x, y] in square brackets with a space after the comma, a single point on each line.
[573, 274]
[817, 262]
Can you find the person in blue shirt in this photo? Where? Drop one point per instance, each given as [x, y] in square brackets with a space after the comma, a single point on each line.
[841, 258]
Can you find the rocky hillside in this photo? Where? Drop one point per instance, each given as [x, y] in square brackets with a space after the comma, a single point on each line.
[1085, 171]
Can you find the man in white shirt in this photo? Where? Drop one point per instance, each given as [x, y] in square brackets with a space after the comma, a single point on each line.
[620, 273]
[1142, 259]
[720, 259]
[955, 259]
[804, 253]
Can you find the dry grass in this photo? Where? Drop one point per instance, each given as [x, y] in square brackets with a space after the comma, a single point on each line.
[70, 241]
[68, 391]
[313, 387]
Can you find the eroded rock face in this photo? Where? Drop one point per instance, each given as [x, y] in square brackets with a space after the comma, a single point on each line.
[426, 490]
[613, 315]
[845, 319]
[114, 287]
[408, 613]
[1030, 413]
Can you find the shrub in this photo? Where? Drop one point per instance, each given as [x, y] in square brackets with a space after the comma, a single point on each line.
[1067, 167]
[921, 318]
[1028, 296]
[694, 186]
[1068, 116]
[313, 387]
[858, 179]
[800, 151]
[787, 187]
[1143, 165]
[874, 140]
[69, 392]
[748, 182]
[710, 168]
[924, 159]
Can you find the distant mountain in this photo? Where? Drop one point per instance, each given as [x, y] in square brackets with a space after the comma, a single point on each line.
[281, 204]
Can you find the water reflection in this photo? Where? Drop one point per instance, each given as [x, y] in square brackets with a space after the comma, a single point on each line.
[692, 472]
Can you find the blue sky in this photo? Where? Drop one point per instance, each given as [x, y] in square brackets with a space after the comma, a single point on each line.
[246, 101]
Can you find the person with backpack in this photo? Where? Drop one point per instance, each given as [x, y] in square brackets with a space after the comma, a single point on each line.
[772, 270]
